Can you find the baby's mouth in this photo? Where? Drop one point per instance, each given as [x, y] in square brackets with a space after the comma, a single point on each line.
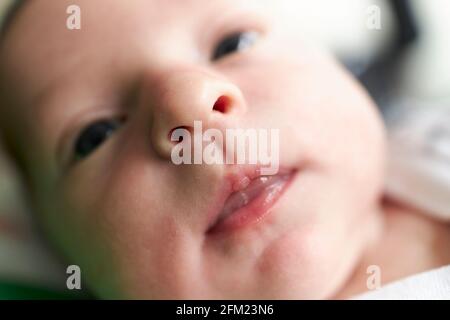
[250, 201]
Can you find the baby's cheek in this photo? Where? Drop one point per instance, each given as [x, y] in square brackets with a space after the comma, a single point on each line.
[299, 266]
[352, 135]
[364, 156]
[160, 263]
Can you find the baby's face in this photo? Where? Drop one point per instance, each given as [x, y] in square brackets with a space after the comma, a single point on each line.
[112, 200]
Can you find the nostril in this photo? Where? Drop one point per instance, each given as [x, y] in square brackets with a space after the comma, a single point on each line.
[222, 104]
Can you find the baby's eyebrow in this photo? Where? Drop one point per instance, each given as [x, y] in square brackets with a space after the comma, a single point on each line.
[12, 9]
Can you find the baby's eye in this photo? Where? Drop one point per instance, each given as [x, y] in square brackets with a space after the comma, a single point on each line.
[93, 136]
[233, 43]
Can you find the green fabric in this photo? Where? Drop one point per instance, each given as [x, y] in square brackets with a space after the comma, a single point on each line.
[18, 291]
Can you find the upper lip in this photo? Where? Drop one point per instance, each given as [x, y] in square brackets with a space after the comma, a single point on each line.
[236, 179]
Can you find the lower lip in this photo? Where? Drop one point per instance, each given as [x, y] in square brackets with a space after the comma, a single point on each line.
[252, 213]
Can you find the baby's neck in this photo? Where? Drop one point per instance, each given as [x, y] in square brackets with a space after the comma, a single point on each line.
[410, 242]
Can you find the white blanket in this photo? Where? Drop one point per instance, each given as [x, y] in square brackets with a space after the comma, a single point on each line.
[419, 158]
[430, 285]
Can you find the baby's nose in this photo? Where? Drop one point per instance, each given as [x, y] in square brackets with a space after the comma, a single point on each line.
[181, 97]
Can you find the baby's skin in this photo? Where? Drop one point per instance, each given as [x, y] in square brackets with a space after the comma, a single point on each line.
[109, 198]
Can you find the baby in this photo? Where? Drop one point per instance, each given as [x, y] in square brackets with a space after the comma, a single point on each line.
[89, 114]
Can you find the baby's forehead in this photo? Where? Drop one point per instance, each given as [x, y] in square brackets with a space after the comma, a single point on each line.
[40, 41]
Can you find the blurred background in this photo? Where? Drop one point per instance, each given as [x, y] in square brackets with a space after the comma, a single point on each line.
[405, 65]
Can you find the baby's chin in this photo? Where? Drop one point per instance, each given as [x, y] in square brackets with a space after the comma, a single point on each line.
[314, 260]
[300, 266]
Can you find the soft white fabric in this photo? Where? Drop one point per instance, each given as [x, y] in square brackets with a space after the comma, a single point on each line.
[430, 285]
[419, 158]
